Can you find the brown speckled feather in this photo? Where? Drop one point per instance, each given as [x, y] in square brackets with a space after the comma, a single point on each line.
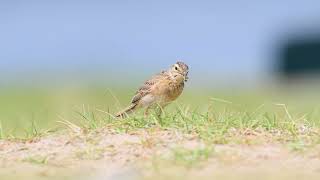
[147, 86]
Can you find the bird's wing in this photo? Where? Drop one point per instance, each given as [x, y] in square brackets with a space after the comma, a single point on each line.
[145, 89]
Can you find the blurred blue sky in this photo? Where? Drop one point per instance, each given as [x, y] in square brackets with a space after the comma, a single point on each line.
[224, 40]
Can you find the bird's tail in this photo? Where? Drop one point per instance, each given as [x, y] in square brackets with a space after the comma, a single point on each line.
[127, 110]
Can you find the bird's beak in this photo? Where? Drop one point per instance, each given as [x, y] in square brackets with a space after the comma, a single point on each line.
[186, 78]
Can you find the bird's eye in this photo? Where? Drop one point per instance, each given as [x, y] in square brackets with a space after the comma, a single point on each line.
[176, 68]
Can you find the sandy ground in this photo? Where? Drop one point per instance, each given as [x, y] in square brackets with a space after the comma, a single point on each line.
[107, 154]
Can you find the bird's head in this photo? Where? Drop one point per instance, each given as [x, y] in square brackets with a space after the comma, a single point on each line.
[180, 71]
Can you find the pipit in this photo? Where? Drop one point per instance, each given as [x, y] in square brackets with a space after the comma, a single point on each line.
[159, 91]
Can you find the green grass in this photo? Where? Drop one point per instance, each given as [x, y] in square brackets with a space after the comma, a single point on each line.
[26, 113]
[190, 158]
[225, 123]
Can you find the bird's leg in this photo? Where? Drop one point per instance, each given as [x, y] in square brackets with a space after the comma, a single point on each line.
[159, 111]
[146, 112]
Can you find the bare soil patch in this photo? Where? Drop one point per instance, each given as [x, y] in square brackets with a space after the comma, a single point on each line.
[150, 154]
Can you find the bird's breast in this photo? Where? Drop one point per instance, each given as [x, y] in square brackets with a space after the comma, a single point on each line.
[174, 90]
[167, 90]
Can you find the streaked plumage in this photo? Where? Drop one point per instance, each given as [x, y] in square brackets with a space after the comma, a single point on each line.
[160, 90]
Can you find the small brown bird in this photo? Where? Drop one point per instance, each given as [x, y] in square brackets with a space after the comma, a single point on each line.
[160, 90]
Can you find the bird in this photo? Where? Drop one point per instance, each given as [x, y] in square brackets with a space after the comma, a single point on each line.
[159, 91]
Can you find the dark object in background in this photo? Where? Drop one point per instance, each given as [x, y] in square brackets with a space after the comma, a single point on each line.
[300, 58]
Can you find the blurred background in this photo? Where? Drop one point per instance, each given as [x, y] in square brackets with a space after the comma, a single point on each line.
[56, 56]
